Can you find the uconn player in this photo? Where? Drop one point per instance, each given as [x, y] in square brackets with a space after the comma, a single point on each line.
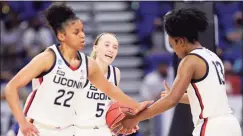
[62, 71]
[91, 110]
[200, 73]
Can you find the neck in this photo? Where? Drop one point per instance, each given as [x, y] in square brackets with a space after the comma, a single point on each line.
[193, 46]
[68, 53]
[102, 65]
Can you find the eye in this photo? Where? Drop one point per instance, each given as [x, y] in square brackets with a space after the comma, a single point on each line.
[106, 45]
[115, 47]
[76, 33]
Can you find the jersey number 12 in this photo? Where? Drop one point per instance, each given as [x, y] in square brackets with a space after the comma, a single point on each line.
[220, 72]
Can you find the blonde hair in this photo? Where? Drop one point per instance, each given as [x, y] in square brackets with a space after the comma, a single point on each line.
[93, 53]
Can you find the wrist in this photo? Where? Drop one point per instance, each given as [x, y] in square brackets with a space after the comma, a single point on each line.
[137, 119]
[22, 121]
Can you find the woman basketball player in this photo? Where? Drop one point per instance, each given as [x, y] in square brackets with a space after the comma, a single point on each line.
[62, 72]
[200, 73]
[92, 110]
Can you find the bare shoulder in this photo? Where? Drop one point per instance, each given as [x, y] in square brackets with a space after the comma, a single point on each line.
[188, 65]
[47, 58]
[189, 60]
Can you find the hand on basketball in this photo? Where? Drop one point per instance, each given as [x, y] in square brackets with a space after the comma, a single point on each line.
[166, 91]
[28, 129]
[120, 129]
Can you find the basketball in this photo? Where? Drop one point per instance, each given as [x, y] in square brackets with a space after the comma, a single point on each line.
[116, 113]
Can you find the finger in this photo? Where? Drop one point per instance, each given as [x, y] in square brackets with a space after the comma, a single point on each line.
[118, 131]
[166, 86]
[129, 131]
[150, 102]
[35, 130]
[115, 125]
[28, 134]
[115, 130]
[125, 132]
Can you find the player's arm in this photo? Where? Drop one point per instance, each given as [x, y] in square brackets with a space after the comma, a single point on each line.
[97, 78]
[185, 73]
[39, 64]
[184, 99]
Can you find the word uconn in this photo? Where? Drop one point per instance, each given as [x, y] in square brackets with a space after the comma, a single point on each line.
[67, 82]
[94, 94]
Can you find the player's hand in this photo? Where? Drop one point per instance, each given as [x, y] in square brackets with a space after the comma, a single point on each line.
[143, 106]
[166, 91]
[28, 129]
[123, 130]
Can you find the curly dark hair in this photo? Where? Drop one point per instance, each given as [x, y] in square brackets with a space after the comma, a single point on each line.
[58, 15]
[186, 23]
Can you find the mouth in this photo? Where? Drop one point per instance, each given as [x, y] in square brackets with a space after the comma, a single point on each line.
[109, 56]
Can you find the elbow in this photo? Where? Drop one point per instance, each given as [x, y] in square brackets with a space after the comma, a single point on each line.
[9, 90]
[173, 103]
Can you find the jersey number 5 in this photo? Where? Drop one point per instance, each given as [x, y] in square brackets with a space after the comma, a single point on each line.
[220, 72]
[99, 109]
[62, 93]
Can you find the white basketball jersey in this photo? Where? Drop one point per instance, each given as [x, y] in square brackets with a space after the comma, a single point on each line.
[51, 102]
[208, 96]
[93, 105]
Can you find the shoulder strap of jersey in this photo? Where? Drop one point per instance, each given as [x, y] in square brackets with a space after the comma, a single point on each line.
[114, 71]
[87, 69]
[54, 63]
[57, 53]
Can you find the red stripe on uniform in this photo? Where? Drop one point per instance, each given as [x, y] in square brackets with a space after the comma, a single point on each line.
[31, 98]
[203, 129]
[199, 99]
[41, 80]
[29, 102]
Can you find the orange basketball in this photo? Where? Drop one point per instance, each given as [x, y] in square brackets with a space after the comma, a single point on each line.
[115, 113]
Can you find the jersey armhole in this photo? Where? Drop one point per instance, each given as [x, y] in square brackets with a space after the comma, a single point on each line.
[207, 69]
[54, 62]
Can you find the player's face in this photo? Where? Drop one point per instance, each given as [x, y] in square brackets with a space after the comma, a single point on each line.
[74, 35]
[107, 48]
[178, 45]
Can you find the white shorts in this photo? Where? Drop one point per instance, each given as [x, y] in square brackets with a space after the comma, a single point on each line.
[226, 125]
[97, 131]
[51, 131]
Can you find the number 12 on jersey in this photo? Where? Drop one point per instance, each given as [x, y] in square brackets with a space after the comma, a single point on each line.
[220, 72]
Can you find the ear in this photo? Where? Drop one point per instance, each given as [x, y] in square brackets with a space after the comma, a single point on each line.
[180, 41]
[60, 36]
[184, 41]
[94, 47]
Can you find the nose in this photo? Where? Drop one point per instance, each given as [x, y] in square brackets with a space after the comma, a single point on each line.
[82, 35]
[110, 49]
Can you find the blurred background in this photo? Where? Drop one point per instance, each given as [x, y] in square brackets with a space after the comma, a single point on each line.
[145, 57]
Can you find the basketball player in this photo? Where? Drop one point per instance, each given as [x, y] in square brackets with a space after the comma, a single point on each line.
[200, 73]
[62, 72]
[92, 110]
